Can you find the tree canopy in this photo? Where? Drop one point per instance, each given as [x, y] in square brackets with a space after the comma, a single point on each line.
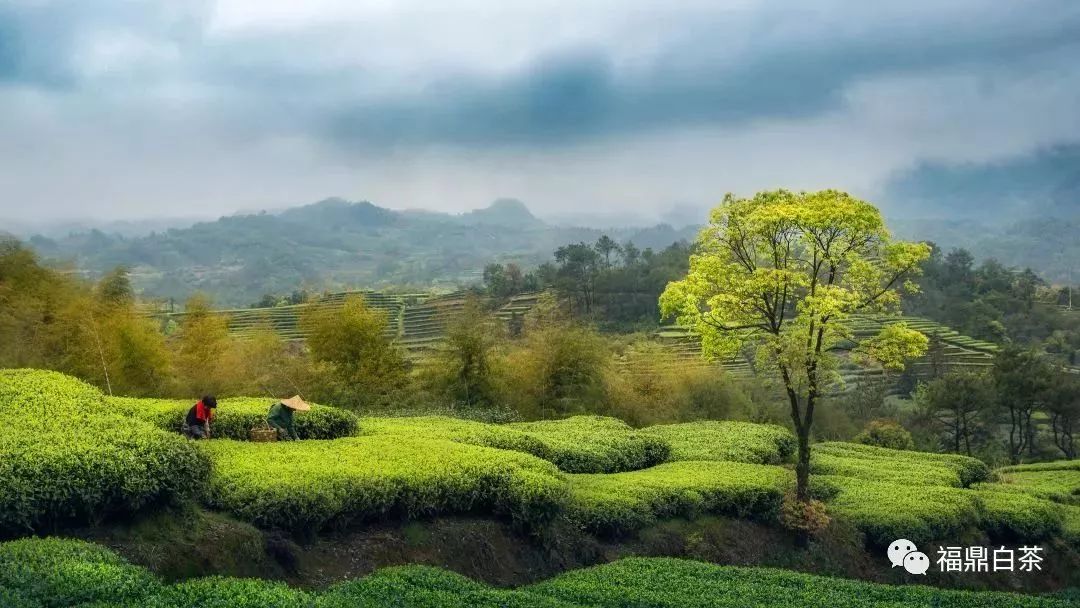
[784, 272]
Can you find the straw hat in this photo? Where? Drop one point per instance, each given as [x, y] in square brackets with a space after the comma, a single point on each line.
[296, 403]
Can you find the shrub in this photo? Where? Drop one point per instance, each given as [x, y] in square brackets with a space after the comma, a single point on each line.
[61, 572]
[1014, 515]
[235, 417]
[1060, 485]
[221, 592]
[425, 586]
[1057, 465]
[627, 501]
[916, 467]
[727, 440]
[886, 434]
[79, 463]
[676, 583]
[67, 573]
[824, 462]
[581, 444]
[458, 430]
[46, 397]
[308, 485]
[887, 511]
[595, 444]
[1070, 524]
[809, 517]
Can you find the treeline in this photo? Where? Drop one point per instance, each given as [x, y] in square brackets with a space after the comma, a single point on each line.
[615, 286]
[992, 302]
[552, 365]
[1024, 408]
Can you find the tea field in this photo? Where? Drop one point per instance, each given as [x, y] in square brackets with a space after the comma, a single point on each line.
[54, 573]
[71, 456]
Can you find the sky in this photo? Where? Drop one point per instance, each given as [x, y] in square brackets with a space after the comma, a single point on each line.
[115, 109]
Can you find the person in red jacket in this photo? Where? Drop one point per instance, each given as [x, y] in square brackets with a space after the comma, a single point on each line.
[197, 423]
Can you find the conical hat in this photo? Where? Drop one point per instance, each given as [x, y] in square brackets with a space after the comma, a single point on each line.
[296, 403]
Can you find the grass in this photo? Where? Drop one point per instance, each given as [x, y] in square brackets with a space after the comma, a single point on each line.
[235, 417]
[36, 573]
[727, 440]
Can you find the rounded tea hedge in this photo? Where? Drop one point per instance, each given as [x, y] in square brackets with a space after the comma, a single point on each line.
[65, 458]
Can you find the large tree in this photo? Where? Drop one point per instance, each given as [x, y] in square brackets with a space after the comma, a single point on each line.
[785, 272]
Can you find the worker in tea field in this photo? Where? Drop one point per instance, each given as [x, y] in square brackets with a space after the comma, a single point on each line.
[280, 417]
[197, 422]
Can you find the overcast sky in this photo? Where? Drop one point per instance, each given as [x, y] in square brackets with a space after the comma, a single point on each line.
[143, 108]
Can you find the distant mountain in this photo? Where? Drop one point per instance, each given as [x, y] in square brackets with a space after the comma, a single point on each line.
[503, 212]
[127, 228]
[330, 244]
[1040, 185]
[1024, 212]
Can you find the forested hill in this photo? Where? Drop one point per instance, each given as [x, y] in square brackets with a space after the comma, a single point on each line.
[330, 244]
[1023, 212]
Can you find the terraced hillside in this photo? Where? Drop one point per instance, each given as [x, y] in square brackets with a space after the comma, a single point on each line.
[422, 324]
[285, 319]
[956, 351]
[416, 319]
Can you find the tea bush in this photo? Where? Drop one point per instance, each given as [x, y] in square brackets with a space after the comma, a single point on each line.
[222, 592]
[429, 587]
[887, 511]
[60, 572]
[627, 501]
[596, 444]
[1019, 516]
[235, 417]
[727, 440]
[825, 463]
[36, 573]
[1056, 465]
[884, 464]
[458, 430]
[44, 396]
[309, 485]
[67, 459]
[1060, 484]
[676, 583]
[582, 444]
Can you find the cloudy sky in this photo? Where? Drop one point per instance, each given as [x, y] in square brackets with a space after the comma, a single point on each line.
[142, 108]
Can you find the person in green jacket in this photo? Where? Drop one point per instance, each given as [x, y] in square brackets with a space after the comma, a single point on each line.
[280, 417]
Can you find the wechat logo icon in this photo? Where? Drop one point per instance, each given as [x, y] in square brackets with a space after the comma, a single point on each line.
[903, 552]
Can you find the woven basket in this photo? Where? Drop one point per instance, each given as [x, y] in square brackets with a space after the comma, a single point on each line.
[262, 434]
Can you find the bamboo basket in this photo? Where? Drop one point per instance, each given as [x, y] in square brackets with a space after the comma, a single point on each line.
[262, 434]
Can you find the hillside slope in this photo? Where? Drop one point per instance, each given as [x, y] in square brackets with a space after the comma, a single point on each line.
[330, 244]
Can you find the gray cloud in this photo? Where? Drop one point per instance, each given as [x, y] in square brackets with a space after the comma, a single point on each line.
[125, 106]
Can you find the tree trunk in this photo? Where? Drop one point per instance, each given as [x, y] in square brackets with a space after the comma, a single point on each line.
[802, 467]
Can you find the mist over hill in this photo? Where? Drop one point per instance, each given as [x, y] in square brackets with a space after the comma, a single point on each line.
[1023, 212]
[330, 244]
[1043, 184]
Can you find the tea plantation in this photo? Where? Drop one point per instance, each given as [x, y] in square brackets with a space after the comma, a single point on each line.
[70, 456]
[54, 573]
